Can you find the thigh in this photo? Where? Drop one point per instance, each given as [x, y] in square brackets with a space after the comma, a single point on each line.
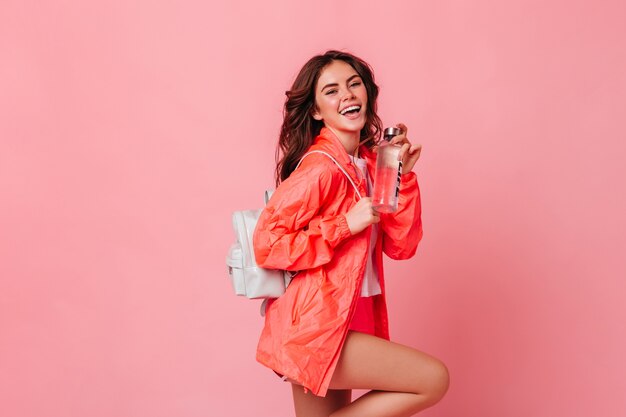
[369, 362]
[310, 405]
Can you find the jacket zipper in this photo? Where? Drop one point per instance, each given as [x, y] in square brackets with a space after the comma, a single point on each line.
[352, 309]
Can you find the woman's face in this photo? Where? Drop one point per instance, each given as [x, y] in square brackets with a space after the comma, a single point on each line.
[341, 99]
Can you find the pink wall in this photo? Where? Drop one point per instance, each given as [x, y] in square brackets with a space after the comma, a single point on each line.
[129, 131]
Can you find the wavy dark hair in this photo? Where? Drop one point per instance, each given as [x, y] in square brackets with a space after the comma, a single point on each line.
[299, 128]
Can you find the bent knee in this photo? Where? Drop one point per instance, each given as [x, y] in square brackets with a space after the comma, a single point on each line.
[439, 381]
[431, 381]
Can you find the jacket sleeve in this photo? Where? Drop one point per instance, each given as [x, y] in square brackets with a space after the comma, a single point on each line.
[402, 230]
[291, 234]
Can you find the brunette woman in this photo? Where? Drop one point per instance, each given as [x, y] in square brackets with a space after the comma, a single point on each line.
[328, 334]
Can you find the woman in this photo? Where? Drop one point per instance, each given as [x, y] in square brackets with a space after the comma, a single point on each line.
[328, 334]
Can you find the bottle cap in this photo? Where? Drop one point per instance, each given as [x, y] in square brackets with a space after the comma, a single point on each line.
[390, 132]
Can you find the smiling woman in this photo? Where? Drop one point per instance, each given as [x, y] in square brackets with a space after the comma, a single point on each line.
[302, 119]
[328, 333]
[339, 101]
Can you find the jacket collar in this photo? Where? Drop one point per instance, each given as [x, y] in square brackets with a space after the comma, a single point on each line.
[328, 141]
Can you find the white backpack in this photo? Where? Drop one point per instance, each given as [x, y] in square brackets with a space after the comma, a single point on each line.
[249, 279]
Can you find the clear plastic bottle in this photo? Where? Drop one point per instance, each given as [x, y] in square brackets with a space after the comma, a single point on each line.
[388, 170]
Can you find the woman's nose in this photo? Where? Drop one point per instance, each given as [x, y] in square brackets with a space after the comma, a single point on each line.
[347, 95]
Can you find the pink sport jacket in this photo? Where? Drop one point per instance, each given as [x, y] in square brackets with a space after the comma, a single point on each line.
[303, 228]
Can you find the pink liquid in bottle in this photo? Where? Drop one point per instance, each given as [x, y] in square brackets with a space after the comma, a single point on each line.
[387, 178]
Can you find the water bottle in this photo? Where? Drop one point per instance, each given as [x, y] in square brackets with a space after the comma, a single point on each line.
[388, 170]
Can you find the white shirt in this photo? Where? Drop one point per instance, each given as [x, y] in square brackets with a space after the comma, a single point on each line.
[371, 284]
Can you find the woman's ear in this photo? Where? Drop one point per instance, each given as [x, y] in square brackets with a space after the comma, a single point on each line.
[316, 114]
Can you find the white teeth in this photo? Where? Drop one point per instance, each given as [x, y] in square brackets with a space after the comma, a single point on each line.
[347, 109]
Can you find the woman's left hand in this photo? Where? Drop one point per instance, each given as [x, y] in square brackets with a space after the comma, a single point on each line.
[409, 154]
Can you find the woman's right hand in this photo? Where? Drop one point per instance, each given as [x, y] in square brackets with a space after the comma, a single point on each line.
[361, 215]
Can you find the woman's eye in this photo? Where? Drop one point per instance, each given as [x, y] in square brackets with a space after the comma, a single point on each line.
[355, 84]
[329, 92]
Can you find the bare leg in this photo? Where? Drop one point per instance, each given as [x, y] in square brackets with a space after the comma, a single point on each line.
[309, 405]
[404, 380]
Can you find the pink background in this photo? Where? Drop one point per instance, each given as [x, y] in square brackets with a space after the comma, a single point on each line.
[130, 130]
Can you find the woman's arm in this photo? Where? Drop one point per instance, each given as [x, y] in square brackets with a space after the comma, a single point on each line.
[402, 230]
[291, 233]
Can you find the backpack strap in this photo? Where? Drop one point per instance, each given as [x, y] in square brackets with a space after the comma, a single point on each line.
[338, 166]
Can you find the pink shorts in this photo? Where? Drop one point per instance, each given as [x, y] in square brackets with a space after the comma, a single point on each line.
[363, 319]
